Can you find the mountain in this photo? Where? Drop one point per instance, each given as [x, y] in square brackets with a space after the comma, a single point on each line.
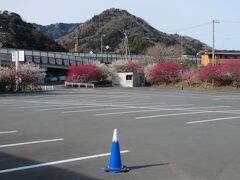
[111, 25]
[16, 33]
[55, 31]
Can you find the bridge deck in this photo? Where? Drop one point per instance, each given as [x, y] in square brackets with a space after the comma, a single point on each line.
[66, 59]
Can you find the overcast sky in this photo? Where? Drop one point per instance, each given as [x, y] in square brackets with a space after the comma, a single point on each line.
[171, 16]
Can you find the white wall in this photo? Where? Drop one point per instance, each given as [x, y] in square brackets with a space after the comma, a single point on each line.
[120, 80]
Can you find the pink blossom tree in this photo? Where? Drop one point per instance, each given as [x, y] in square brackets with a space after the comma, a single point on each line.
[84, 73]
[191, 76]
[167, 72]
[7, 79]
[217, 73]
[233, 70]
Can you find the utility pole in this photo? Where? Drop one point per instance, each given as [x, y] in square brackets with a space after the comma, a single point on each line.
[17, 68]
[0, 55]
[103, 35]
[181, 47]
[1, 45]
[101, 44]
[76, 49]
[126, 45]
[213, 43]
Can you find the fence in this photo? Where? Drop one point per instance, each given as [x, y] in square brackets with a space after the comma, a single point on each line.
[67, 58]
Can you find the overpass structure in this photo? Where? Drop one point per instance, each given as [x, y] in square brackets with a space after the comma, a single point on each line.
[59, 62]
[65, 59]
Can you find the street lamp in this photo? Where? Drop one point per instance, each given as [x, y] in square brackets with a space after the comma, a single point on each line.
[107, 47]
[0, 55]
[181, 75]
[102, 43]
[213, 39]
[91, 53]
[102, 46]
[1, 45]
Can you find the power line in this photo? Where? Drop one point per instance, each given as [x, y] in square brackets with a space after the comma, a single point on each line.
[235, 22]
[190, 27]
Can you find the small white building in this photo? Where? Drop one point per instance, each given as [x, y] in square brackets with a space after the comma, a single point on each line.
[128, 79]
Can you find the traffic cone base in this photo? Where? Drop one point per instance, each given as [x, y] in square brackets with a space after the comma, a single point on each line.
[121, 170]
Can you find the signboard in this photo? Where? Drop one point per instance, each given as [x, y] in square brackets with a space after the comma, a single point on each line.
[18, 55]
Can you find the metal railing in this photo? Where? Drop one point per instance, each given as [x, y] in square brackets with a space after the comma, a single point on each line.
[66, 58]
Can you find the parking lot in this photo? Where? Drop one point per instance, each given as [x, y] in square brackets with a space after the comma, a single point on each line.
[164, 134]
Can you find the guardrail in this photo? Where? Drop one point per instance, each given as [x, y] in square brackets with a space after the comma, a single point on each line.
[73, 84]
[47, 88]
[67, 59]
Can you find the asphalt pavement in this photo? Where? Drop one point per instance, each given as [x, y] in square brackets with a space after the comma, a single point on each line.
[66, 134]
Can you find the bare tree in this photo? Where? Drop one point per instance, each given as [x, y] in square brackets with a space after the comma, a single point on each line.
[160, 50]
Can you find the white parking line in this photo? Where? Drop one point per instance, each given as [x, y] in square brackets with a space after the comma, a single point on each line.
[52, 109]
[212, 120]
[142, 103]
[173, 105]
[8, 132]
[151, 110]
[9, 105]
[196, 108]
[177, 114]
[57, 162]
[189, 109]
[41, 106]
[118, 107]
[124, 102]
[89, 110]
[32, 142]
[127, 112]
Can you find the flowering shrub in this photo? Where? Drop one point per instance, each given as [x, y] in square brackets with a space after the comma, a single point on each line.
[117, 66]
[84, 73]
[133, 66]
[191, 76]
[126, 66]
[29, 76]
[7, 79]
[147, 72]
[106, 74]
[165, 72]
[218, 73]
[233, 70]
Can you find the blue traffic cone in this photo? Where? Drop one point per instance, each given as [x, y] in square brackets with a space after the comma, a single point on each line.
[115, 162]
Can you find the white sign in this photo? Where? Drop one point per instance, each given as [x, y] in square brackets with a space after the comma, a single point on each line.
[18, 55]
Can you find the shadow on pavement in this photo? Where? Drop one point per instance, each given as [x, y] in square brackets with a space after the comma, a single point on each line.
[8, 161]
[146, 166]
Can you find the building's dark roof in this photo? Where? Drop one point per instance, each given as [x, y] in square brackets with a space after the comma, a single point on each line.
[234, 52]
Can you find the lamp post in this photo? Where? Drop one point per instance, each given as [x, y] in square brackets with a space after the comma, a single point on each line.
[1, 45]
[213, 41]
[102, 46]
[0, 55]
[213, 45]
[107, 47]
[126, 45]
[182, 75]
[91, 53]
